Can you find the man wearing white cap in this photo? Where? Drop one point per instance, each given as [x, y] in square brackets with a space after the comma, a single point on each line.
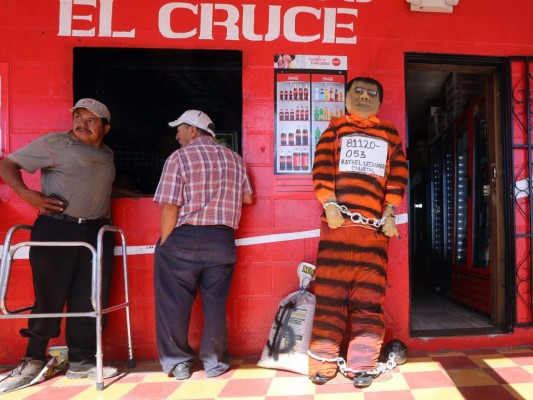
[201, 192]
[77, 173]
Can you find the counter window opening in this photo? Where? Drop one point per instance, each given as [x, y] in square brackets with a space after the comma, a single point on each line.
[146, 88]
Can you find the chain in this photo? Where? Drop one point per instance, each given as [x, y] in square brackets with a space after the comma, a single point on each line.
[357, 218]
[341, 363]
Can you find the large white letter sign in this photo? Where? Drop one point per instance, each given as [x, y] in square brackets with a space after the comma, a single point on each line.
[289, 24]
[164, 20]
[66, 17]
[330, 26]
[106, 17]
[207, 22]
[248, 23]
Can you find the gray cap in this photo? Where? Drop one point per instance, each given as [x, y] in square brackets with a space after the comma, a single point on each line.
[94, 106]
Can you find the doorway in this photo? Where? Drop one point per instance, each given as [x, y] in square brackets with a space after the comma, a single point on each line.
[146, 88]
[457, 207]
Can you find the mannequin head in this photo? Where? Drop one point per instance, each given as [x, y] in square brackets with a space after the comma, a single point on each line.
[363, 97]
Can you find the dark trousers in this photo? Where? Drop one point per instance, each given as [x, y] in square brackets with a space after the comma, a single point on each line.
[194, 257]
[63, 275]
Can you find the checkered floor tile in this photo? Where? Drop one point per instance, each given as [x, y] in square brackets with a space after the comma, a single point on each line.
[502, 374]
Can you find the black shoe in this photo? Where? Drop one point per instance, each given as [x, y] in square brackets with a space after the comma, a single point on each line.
[362, 379]
[182, 371]
[319, 379]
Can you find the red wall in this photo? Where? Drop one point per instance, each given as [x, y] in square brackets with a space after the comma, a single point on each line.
[40, 79]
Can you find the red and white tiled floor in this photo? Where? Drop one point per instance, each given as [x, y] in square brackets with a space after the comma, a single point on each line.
[500, 374]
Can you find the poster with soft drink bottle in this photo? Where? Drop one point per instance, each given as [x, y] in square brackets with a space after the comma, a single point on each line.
[293, 121]
[328, 102]
[305, 101]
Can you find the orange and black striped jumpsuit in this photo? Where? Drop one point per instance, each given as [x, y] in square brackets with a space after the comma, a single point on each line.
[352, 260]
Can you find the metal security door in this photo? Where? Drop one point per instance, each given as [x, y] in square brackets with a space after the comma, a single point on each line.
[521, 69]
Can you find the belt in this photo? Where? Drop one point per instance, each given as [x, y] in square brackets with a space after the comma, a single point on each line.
[210, 226]
[219, 226]
[81, 221]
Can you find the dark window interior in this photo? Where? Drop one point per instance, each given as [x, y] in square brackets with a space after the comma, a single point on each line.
[146, 88]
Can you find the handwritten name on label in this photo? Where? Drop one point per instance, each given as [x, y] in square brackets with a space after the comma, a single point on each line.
[363, 154]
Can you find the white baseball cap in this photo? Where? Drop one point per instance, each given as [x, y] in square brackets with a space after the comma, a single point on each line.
[195, 118]
[94, 106]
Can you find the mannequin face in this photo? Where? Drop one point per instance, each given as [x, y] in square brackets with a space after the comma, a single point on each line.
[362, 99]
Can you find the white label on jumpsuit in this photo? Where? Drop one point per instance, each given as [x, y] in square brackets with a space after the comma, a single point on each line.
[363, 154]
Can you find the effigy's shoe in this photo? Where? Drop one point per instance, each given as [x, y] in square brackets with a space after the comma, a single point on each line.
[319, 379]
[362, 379]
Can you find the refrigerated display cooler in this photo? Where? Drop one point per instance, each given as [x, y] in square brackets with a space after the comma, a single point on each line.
[460, 192]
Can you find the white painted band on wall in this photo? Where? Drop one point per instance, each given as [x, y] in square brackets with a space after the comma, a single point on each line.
[23, 253]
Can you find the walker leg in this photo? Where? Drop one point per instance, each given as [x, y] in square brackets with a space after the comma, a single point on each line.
[131, 359]
[99, 354]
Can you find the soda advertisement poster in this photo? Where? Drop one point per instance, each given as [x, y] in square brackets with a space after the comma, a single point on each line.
[304, 104]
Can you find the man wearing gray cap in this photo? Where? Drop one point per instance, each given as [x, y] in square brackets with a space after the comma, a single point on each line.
[201, 192]
[77, 173]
